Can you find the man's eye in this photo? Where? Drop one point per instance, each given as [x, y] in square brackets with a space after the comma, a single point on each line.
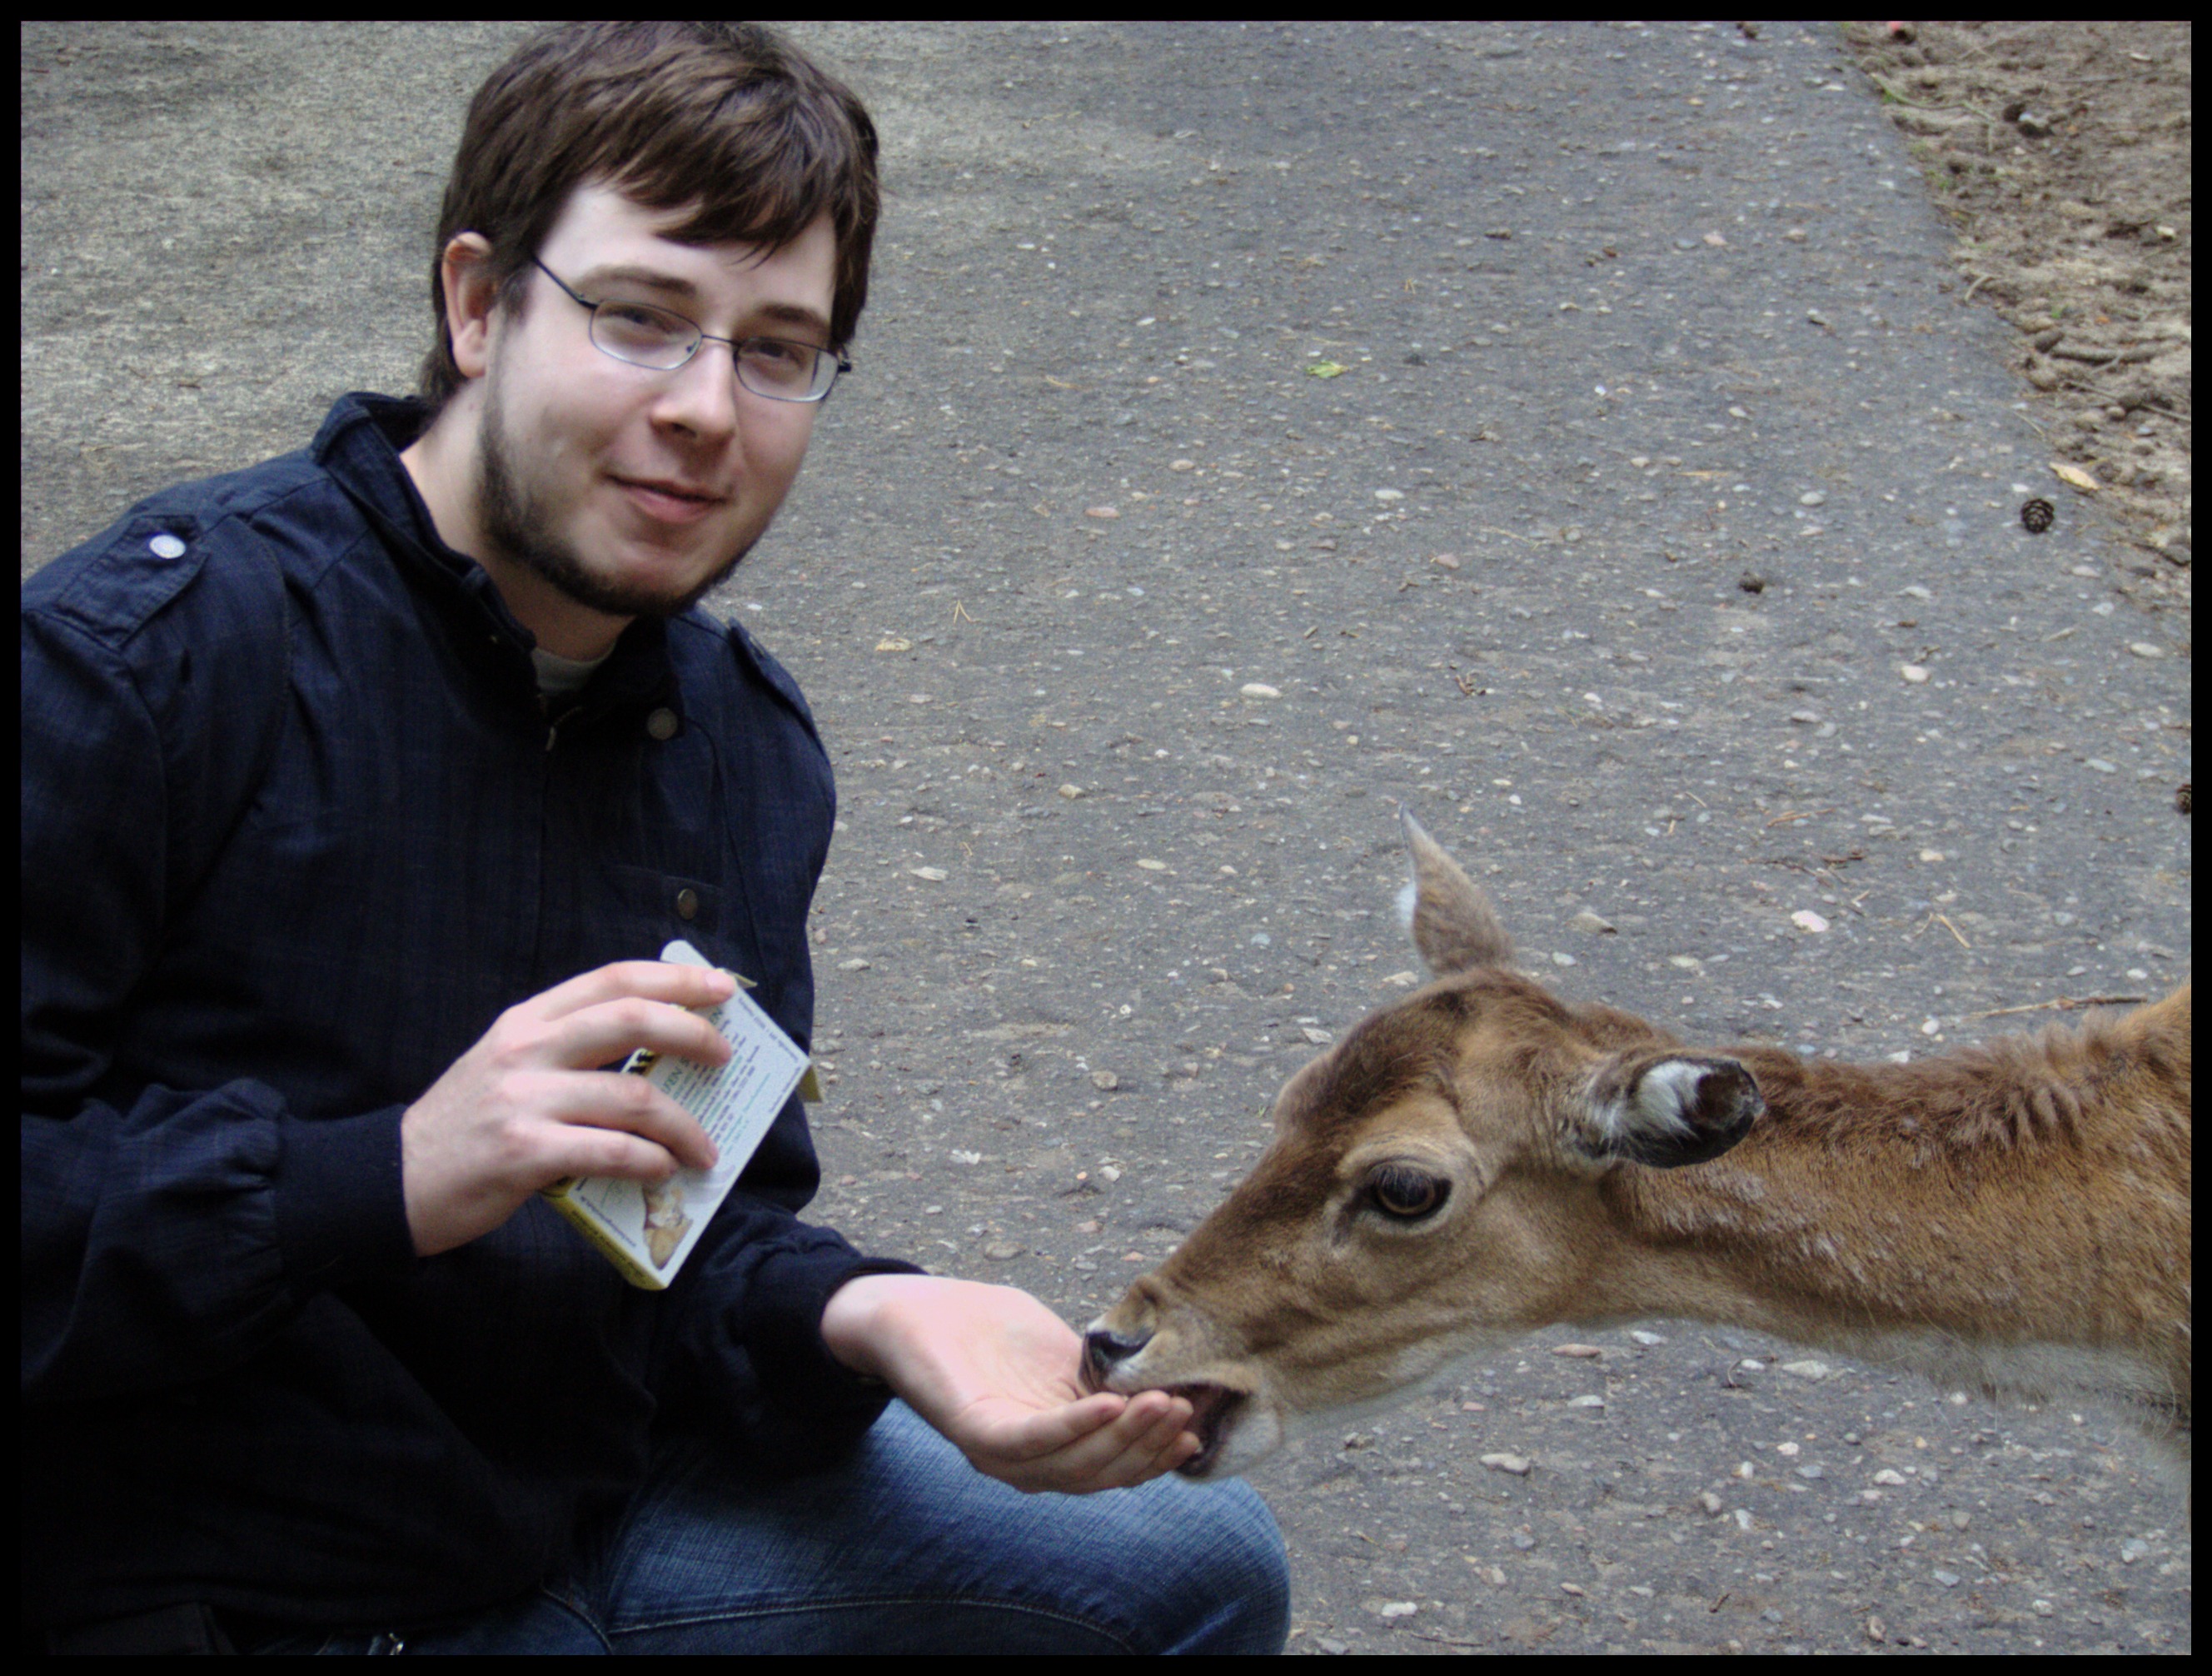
[637, 318]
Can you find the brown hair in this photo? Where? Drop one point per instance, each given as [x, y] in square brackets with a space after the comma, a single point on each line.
[728, 117]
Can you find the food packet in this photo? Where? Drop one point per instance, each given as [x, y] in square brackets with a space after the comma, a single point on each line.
[647, 1231]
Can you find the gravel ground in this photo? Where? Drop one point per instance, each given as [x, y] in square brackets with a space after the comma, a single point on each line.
[1583, 434]
[2062, 153]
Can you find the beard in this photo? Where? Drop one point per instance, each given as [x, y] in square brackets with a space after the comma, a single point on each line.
[516, 522]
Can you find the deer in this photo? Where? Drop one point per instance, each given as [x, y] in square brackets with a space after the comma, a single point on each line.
[1482, 1159]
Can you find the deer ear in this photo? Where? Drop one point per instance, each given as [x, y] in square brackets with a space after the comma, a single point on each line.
[1670, 1109]
[1452, 923]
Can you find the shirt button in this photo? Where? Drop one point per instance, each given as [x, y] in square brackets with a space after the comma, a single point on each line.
[661, 724]
[687, 904]
[166, 545]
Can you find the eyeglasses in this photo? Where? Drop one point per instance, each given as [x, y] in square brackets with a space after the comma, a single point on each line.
[645, 336]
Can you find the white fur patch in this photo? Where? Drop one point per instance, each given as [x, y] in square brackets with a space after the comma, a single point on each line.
[1668, 1090]
[1409, 899]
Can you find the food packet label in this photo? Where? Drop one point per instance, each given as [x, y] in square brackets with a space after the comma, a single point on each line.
[647, 1231]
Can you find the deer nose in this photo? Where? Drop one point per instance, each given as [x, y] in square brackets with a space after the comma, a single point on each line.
[1102, 1351]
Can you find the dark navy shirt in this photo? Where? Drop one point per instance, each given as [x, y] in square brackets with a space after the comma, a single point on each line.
[297, 827]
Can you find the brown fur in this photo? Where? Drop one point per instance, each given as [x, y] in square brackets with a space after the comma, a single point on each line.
[2013, 1217]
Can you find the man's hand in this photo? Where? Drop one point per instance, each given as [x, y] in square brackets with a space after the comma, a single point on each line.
[1000, 1375]
[524, 1106]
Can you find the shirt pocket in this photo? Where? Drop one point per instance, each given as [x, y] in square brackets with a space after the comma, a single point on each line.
[650, 908]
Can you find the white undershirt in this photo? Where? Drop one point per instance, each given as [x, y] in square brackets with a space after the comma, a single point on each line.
[562, 677]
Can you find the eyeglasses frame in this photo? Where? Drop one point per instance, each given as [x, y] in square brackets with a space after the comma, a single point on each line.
[843, 362]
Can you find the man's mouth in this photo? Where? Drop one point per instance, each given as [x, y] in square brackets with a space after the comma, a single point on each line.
[669, 503]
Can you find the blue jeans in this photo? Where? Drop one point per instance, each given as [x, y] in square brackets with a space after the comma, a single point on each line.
[901, 1547]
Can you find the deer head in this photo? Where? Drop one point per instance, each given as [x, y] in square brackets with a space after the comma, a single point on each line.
[1434, 1186]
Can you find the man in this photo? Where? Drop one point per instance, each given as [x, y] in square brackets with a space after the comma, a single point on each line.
[359, 789]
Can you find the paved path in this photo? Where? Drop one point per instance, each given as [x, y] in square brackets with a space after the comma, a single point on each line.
[1663, 454]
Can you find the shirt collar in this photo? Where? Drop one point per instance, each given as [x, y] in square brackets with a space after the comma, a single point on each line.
[359, 445]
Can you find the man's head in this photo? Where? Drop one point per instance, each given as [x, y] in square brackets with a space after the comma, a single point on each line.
[704, 170]
[725, 121]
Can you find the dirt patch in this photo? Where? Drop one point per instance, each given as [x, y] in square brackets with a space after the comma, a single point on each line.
[2061, 150]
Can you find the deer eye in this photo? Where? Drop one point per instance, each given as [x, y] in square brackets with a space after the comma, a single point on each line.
[1405, 1194]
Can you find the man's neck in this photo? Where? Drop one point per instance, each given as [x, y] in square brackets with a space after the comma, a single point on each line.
[442, 463]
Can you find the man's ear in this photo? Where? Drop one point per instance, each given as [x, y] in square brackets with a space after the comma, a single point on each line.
[1452, 923]
[465, 272]
[1666, 1108]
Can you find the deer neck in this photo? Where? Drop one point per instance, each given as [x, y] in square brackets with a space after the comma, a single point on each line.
[1906, 1212]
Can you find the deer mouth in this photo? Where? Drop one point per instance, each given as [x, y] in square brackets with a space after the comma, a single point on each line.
[1214, 1409]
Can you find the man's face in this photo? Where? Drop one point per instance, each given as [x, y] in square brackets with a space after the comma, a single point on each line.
[633, 491]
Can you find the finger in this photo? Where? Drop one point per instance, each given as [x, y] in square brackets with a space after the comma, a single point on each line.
[654, 980]
[1160, 1447]
[612, 1030]
[1046, 1435]
[1142, 1464]
[583, 1150]
[1060, 1472]
[609, 1101]
[1145, 1440]
[1150, 1445]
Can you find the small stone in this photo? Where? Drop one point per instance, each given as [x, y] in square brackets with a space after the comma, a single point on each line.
[1913, 672]
[1806, 920]
[1102, 512]
[934, 874]
[1587, 920]
[2145, 649]
[1104, 1080]
[1070, 791]
[1259, 690]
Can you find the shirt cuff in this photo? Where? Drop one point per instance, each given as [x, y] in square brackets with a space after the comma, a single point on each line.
[341, 1203]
